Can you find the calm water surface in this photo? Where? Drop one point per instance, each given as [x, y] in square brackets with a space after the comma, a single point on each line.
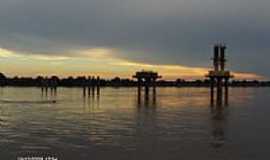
[177, 124]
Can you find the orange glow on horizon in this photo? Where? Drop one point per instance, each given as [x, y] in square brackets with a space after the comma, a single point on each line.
[97, 61]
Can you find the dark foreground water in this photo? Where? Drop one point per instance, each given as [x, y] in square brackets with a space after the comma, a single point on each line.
[178, 124]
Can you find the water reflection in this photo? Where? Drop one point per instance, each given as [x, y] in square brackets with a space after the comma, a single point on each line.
[149, 100]
[218, 122]
[173, 124]
[1, 91]
[146, 127]
[218, 118]
[91, 102]
[47, 95]
[54, 92]
[219, 100]
[1, 116]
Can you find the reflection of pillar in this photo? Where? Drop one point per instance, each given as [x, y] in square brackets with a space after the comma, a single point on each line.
[46, 90]
[93, 86]
[154, 97]
[139, 87]
[226, 91]
[89, 85]
[84, 83]
[55, 91]
[51, 89]
[219, 91]
[84, 90]
[154, 86]
[147, 83]
[146, 100]
[139, 97]
[146, 88]
[89, 90]
[218, 128]
[139, 83]
[98, 86]
[42, 90]
[212, 90]
[98, 100]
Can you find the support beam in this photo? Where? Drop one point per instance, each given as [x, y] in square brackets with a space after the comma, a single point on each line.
[98, 85]
[146, 79]
[219, 77]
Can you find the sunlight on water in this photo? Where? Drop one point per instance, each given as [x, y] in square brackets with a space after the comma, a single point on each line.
[177, 123]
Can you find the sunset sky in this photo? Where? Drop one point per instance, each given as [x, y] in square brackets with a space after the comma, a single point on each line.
[118, 37]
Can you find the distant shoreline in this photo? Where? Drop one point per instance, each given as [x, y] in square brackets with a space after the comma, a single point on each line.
[83, 81]
[246, 85]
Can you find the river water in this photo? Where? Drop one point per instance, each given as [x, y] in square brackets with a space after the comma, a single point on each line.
[177, 123]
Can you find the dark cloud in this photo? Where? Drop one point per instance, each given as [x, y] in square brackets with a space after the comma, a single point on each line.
[152, 31]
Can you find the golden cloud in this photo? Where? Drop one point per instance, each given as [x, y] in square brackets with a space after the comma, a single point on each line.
[102, 61]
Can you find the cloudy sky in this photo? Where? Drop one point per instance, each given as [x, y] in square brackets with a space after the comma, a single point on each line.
[117, 37]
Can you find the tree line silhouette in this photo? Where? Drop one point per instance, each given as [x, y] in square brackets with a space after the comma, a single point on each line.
[80, 81]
